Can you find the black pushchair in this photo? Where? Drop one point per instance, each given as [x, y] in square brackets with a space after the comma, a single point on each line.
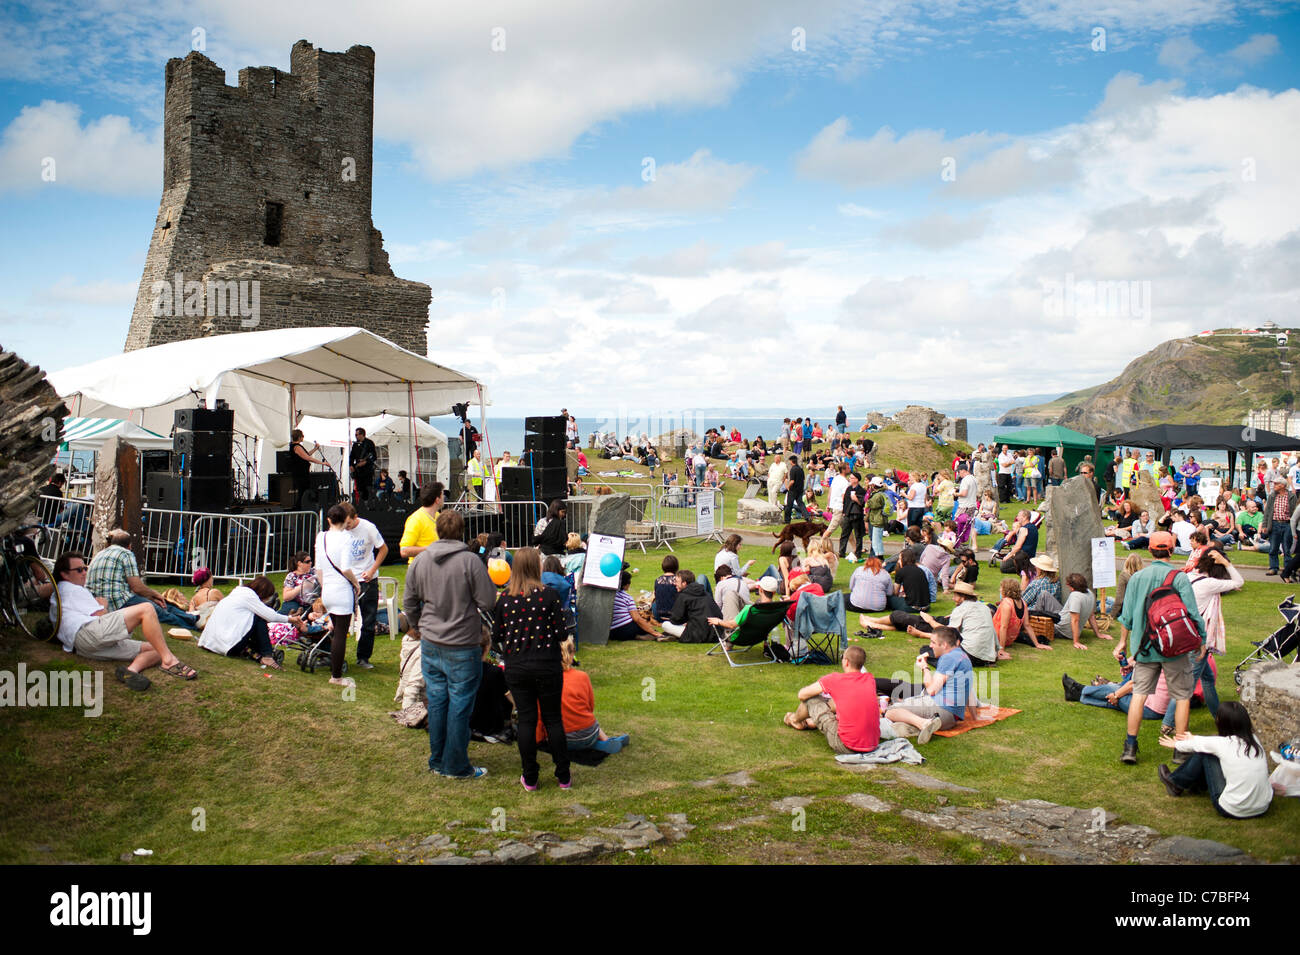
[1284, 641]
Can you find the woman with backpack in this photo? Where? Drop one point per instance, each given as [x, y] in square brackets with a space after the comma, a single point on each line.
[1231, 767]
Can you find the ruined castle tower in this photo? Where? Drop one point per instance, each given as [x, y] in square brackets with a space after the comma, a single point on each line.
[265, 211]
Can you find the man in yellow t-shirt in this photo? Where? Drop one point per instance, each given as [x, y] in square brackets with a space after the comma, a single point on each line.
[420, 530]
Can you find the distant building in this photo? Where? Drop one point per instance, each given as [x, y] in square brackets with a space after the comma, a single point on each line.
[1281, 422]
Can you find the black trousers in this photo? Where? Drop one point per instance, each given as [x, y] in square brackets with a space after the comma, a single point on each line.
[853, 527]
[364, 483]
[1006, 488]
[339, 642]
[258, 638]
[531, 685]
[369, 605]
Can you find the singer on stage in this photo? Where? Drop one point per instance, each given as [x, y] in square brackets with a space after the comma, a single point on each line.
[362, 461]
[302, 462]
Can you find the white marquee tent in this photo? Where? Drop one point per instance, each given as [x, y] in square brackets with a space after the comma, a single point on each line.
[270, 378]
[387, 431]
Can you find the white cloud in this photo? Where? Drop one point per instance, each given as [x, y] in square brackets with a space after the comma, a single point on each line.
[938, 231]
[1179, 53]
[886, 158]
[765, 257]
[104, 293]
[48, 147]
[700, 184]
[855, 211]
[697, 259]
[1258, 48]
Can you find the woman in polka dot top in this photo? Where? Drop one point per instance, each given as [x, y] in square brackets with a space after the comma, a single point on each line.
[528, 627]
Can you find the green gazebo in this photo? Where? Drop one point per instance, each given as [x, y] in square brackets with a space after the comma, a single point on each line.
[1074, 445]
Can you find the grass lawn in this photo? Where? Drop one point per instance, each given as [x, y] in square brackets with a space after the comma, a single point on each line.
[284, 768]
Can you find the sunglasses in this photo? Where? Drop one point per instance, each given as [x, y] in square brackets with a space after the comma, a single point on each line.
[78, 570]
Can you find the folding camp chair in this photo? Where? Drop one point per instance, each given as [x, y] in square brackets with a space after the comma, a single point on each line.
[1284, 641]
[819, 627]
[753, 630]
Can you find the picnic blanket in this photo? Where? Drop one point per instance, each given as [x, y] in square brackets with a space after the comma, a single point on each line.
[986, 718]
[889, 751]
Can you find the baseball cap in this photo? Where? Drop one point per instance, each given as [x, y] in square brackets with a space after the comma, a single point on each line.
[1161, 540]
[769, 584]
[877, 481]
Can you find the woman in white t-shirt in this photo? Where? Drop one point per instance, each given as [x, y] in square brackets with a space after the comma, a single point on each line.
[915, 503]
[1231, 767]
[339, 587]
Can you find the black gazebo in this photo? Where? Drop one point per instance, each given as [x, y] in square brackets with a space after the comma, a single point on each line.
[1231, 438]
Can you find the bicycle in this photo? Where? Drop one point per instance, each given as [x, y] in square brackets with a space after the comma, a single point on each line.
[29, 599]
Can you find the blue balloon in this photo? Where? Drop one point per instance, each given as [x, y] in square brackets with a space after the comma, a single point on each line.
[610, 565]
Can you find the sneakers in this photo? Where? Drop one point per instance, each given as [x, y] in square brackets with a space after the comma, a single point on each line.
[365, 665]
[1167, 778]
[1130, 754]
[567, 785]
[523, 782]
[928, 731]
[902, 729]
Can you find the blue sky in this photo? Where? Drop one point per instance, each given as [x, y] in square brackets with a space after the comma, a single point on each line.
[798, 243]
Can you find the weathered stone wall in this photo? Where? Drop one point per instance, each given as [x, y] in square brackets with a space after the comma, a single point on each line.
[1271, 694]
[302, 140]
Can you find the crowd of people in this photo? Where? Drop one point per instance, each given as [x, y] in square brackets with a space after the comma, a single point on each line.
[495, 660]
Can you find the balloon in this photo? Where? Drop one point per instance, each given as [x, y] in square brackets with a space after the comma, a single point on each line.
[499, 571]
[610, 565]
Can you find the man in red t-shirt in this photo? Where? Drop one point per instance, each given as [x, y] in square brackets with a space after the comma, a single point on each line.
[842, 706]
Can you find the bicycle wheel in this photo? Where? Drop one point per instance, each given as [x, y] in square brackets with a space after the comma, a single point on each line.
[33, 598]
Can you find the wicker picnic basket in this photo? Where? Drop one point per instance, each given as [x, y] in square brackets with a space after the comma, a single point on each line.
[1041, 626]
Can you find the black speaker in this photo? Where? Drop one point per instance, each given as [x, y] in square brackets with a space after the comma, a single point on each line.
[544, 442]
[546, 424]
[172, 492]
[280, 489]
[202, 442]
[155, 461]
[204, 419]
[533, 484]
[203, 465]
[549, 458]
[322, 491]
[284, 461]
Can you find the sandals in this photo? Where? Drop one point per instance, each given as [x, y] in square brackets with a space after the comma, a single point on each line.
[133, 680]
[182, 670]
[270, 664]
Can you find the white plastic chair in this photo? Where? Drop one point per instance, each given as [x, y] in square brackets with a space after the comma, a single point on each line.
[388, 597]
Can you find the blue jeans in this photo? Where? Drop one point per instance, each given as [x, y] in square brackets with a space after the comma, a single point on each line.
[168, 616]
[1096, 696]
[451, 679]
[1279, 543]
[878, 541]
[1201, 671]
[1020, 486]
[1201, 771]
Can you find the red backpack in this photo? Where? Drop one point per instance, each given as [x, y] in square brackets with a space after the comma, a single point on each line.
[1170, 628]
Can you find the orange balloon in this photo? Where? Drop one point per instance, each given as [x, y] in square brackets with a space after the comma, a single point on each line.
[499, 571]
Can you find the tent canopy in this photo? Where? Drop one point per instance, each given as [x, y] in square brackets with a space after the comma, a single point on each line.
[1074, 444]
[89, 434]
[387, 431]
[324, 372]
[1165, 438]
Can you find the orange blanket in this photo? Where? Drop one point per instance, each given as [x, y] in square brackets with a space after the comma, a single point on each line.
[984, 717]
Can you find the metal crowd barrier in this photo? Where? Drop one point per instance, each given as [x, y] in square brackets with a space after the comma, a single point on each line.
[642, 525]
[676, 511]
[65, 525]
[229, 545]
[513, 520]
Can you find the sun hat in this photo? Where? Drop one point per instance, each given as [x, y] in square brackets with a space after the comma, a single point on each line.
[965, 589]
[1044, 562]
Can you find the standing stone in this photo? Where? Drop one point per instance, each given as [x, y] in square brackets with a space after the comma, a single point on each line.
[29, 436]
[1074, 522]
[609, 515]
[117, 495]
[1146, 496]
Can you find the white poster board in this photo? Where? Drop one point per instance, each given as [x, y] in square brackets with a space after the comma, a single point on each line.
[1103, 562]
[704, 514]
[596, 568]
[1210, 488]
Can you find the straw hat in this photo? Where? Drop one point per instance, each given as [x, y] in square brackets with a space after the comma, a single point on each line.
[1044, 563]
[965, 589]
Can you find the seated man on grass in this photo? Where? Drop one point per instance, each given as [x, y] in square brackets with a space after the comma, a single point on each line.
[842, 706]
[114, 576]
[939, 701]
[694, 607]
[1080, 608]
[88, 629]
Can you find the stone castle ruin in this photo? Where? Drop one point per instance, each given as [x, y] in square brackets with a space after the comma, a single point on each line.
[265, 214]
